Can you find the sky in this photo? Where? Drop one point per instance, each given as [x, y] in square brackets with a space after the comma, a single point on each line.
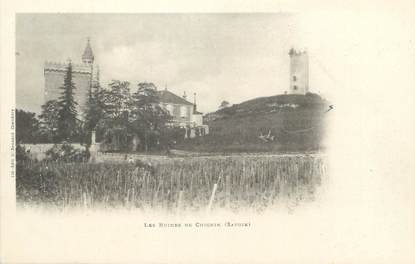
[233, 57]
[229, 56]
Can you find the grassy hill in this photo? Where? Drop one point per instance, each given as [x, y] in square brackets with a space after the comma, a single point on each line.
[282, 123]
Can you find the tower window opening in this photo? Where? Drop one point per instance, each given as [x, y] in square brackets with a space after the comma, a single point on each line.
[295, 87]
[294, 78]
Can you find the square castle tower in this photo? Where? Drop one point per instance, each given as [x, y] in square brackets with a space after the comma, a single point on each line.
[298, 72]
[85, 76]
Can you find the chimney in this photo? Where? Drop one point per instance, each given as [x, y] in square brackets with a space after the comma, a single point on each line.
[184, 95]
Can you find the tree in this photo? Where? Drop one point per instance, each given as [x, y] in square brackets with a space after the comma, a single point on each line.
[148, 119]
[94, 111]
[115, 103]
[49, 121]
[224, 104]
[27, 127]
[116, 99]
[123, 119]
[67, 115]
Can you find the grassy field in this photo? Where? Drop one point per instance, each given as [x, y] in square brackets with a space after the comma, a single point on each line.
[296, 123]
[255, 181]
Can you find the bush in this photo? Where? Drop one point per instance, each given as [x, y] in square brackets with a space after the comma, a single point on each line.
[34, 181]
[22, 154]
[66, 153]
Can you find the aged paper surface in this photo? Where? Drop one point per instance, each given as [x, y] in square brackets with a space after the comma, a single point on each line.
[362, 60]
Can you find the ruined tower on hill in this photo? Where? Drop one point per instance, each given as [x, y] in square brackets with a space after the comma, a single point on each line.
[298, 72]
[85, 77]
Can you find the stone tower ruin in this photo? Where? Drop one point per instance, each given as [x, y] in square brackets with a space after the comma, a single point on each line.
[298, 72]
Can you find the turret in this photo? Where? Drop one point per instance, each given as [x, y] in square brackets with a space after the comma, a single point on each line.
[88, 55]
[298, 72]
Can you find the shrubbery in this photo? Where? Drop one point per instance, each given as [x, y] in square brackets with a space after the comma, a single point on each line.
[34, 181]
[66, 153]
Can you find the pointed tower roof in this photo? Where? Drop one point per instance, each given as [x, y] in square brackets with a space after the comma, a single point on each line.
[88, 54]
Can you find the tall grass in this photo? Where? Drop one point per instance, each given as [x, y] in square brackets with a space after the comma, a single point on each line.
[253, 181]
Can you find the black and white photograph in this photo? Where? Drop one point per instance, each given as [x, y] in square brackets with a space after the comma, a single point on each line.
[177, 114]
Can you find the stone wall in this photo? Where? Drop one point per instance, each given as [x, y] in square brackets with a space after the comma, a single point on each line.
[130, 157]
[38, 151]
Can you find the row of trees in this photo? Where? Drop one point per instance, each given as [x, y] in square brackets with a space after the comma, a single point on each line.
[118, 117]
[121, 118]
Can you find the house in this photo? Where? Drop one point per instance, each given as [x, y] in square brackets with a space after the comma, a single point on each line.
[184, 113]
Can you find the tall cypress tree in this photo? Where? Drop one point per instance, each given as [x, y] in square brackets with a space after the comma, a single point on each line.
[67, 121]
[94, 111]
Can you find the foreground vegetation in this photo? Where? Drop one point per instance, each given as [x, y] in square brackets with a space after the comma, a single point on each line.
[192, 183]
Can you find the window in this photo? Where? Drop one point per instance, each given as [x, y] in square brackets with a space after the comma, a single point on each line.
[294, 78]
[295, 87]
[169, 108]
[183, 111]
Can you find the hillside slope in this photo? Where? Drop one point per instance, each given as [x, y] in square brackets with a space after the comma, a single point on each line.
[282, 123]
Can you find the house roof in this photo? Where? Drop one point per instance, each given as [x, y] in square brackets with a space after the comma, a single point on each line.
[170, 98]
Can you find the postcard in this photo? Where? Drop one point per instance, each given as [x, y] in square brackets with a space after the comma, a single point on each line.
[240, 133]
